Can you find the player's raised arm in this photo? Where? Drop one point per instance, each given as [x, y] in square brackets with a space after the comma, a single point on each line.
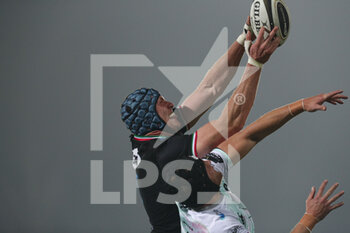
[215, 81]
[239, 105]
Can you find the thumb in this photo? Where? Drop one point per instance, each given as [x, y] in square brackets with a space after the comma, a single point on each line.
[321, 108]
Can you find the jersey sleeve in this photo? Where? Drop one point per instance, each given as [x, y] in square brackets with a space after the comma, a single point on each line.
[177, 147]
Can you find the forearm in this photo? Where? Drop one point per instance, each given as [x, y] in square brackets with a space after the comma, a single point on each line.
[214, 83]
[222, 72]
[239, 105]
[272, 121]
[238, 145]
[235, 54]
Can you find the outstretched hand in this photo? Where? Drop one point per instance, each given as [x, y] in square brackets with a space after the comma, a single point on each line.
[315, 103]
[319, 205]
[262, 49]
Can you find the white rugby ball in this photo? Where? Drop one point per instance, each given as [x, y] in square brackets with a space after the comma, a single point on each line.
[268, 14]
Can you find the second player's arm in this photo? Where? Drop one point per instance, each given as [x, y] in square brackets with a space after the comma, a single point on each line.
[213, 84]
[246, 139]
[236, 111]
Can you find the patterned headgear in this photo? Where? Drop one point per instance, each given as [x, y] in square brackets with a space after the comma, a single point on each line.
[138, 111]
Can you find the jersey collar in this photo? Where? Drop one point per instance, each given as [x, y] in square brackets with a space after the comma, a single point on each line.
[147, 138]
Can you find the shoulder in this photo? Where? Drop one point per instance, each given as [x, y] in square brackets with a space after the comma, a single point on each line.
[144, 146]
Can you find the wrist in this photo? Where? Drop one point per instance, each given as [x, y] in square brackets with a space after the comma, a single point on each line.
[309, 221]
[255, 63]
[296, 108]
[241, 38]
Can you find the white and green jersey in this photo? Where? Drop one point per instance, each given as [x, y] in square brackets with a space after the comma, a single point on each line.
[228, 216]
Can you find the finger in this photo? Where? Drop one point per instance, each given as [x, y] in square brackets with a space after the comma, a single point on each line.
[330, 191]
[277, 41]
[272, 34]
[335, 197]
[275, 44]
[333, 93]
[321, 189]
[332, 102]
[333, 207]
[271, 47]
[312, 193]
[248, 21]
[260, 38]
[267, 43]
[341, 97]
[249, 36]
[334, 99]
[271, 50]
[338, 101]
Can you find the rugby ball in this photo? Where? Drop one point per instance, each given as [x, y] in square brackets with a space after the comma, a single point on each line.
[268, 14]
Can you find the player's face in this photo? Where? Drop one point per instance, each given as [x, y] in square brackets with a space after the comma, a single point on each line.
[165, 110]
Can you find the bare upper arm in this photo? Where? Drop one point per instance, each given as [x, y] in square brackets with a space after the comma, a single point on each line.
[208, 137]
[211, 135]
[237, 146]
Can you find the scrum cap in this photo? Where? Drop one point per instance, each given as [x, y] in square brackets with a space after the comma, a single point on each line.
[138, 111]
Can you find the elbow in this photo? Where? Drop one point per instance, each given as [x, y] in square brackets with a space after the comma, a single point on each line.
[222, 126]
[236, 124]
[211, 90]
[256, 138]
[235, 128]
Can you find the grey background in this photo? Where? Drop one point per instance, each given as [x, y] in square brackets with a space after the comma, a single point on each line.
[45, 107]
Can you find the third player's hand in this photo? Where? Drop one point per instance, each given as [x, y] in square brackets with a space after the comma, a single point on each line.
[319, 205]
